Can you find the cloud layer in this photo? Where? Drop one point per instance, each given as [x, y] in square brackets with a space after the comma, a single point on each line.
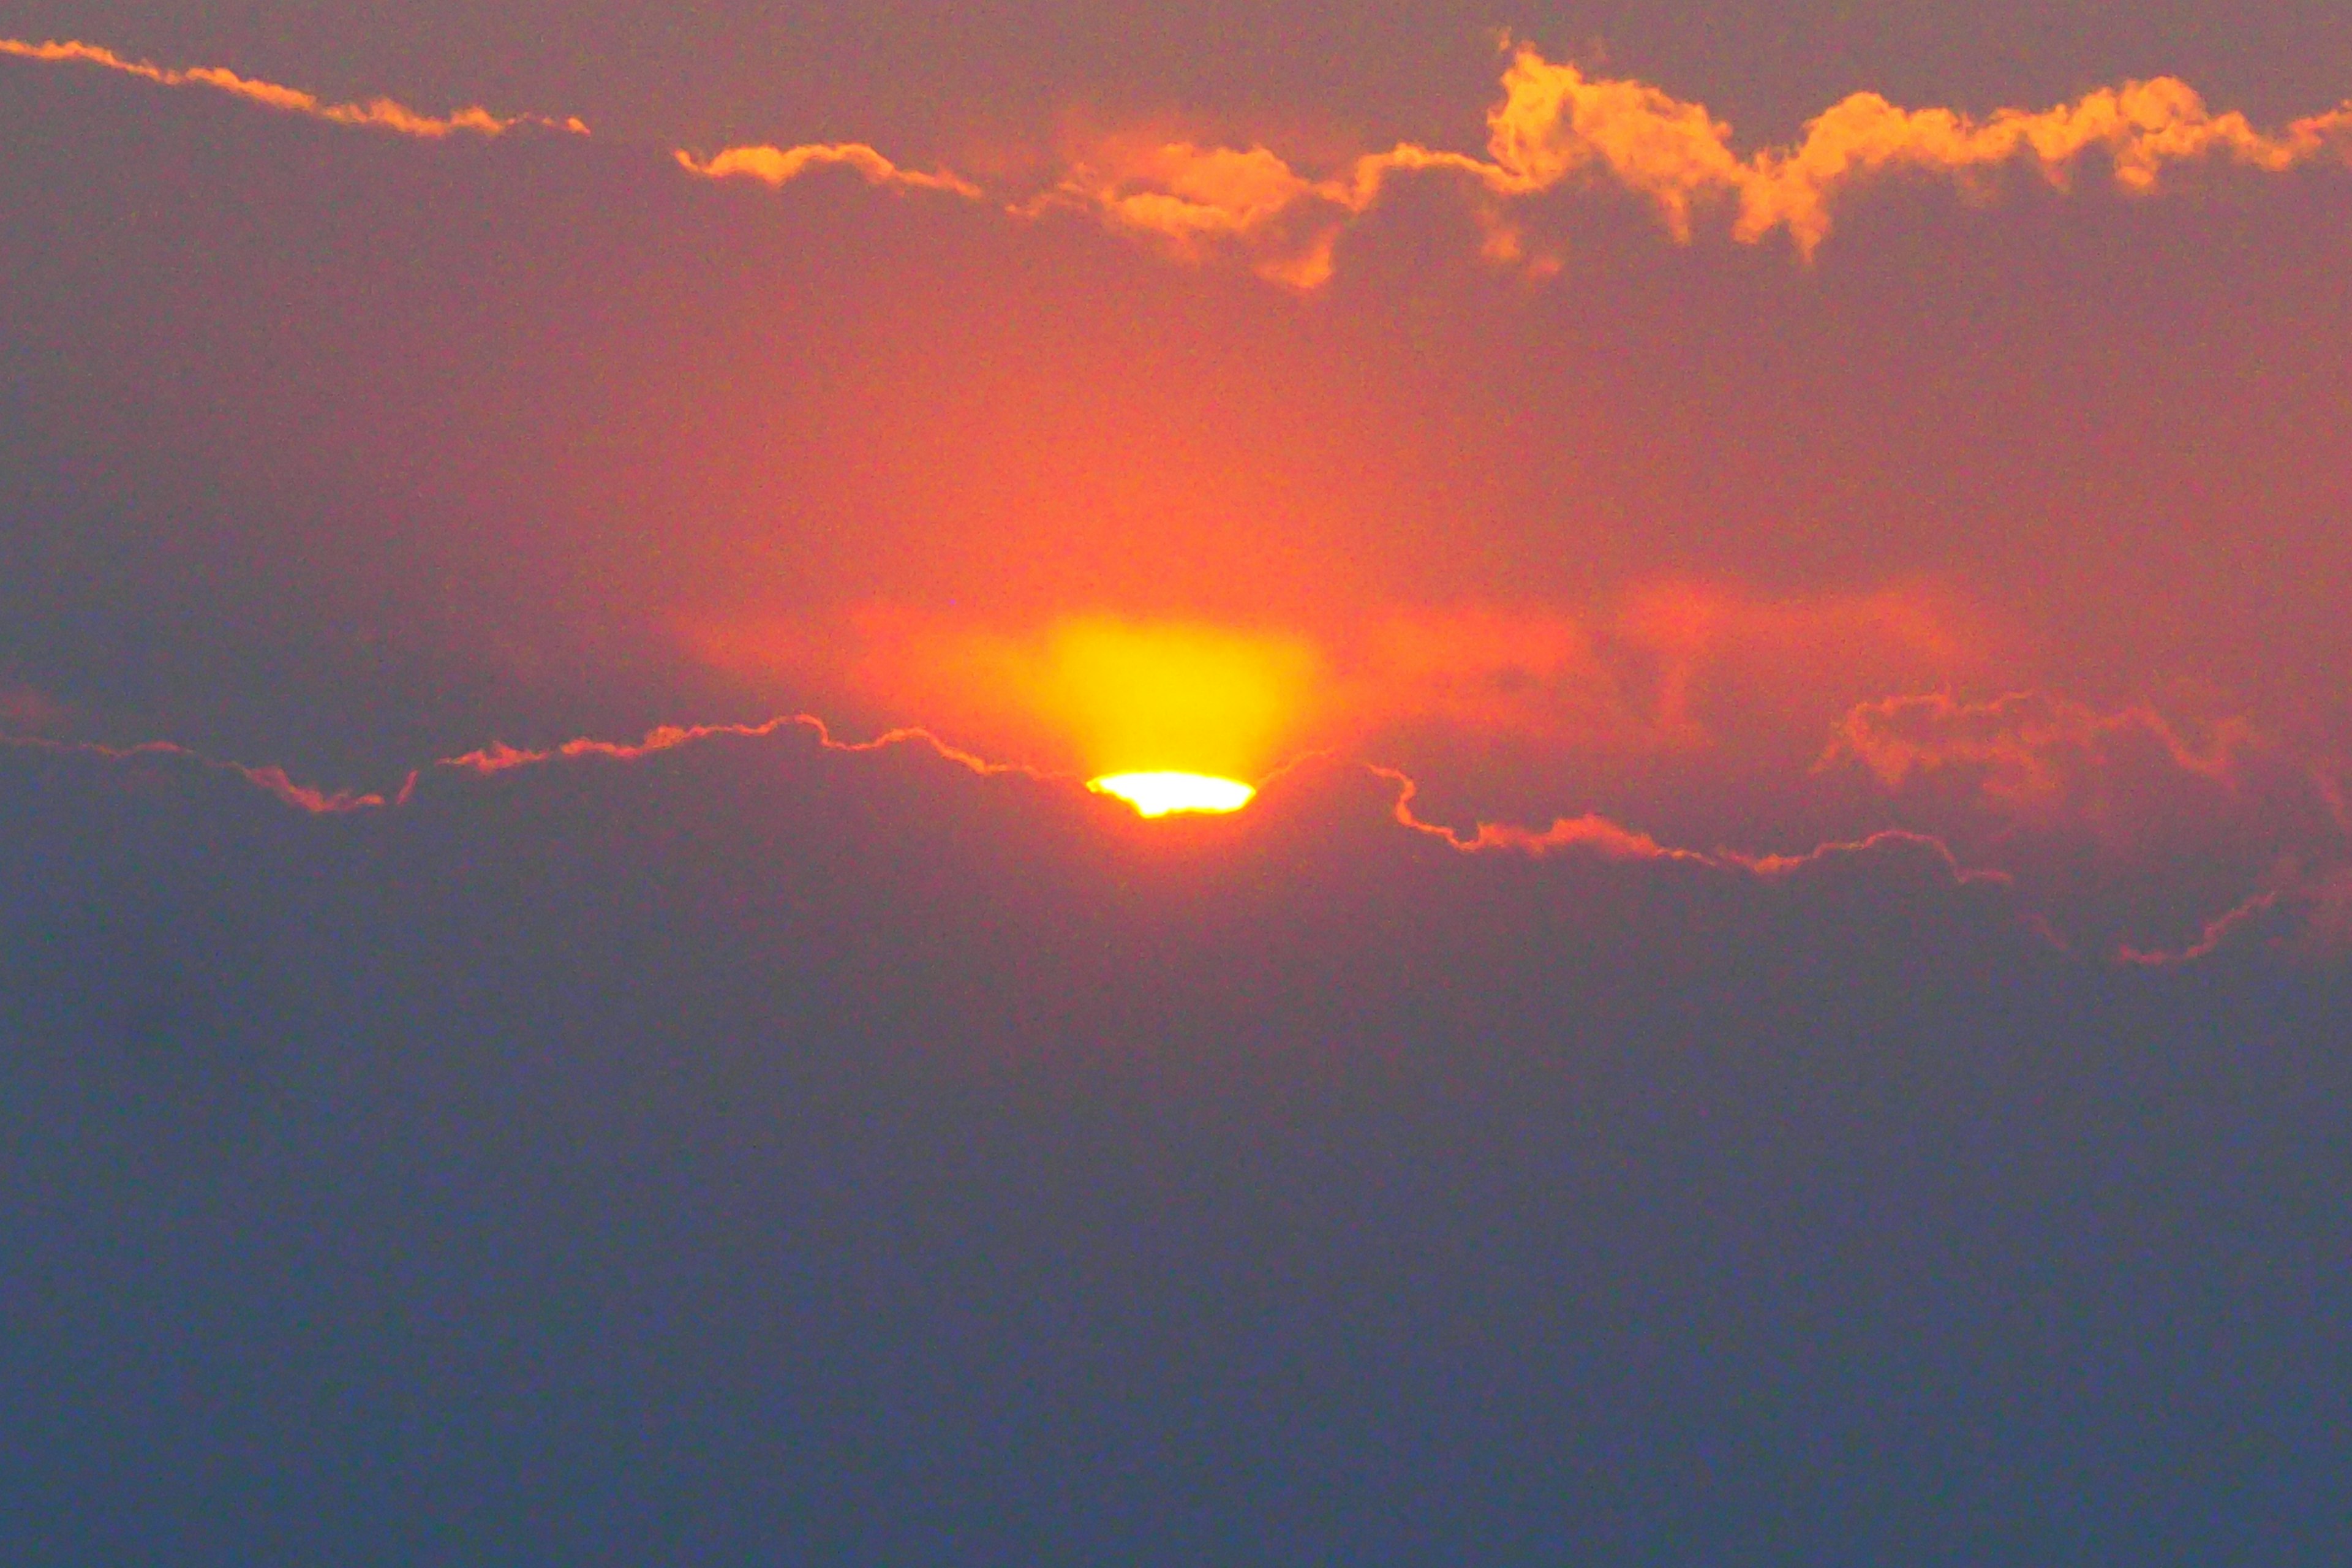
[1554, 128]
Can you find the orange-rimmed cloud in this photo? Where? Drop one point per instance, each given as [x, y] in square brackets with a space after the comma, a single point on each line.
[2301, 911]
[781, 165]
[498, 758]
[1554, 128]
[374, 114]
[1555, 123]
[270, 780]
[2119, 820]
[2305, 917]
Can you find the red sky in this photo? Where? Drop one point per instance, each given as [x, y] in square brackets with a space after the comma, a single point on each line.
[1599, 458]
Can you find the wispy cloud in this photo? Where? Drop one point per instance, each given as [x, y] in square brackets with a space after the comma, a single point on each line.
[2122, 817]
[374, 114]
[782, 165]
[496, 758]
[270, 780]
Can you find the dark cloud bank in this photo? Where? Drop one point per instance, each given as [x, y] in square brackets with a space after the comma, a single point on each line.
[756, 1152]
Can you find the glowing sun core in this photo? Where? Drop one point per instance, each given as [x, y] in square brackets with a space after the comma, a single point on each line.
[1162, 794]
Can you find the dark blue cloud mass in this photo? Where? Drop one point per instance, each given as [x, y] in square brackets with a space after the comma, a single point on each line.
[753, 1151]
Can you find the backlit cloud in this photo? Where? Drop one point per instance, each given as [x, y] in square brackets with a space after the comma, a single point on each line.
[374, 114]
[270, 780]
[1554, 128]
[2299, 907]
[1555, 123]
[781, 165]
[2120, 821]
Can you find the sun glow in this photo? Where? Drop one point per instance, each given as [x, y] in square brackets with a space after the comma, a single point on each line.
[1164, 794]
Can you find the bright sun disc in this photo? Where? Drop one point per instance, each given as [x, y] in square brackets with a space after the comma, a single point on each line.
[1159, 795]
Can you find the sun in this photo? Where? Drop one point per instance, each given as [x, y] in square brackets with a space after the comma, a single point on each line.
[1165, 793]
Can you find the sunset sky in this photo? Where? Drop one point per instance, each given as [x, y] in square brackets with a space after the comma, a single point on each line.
[1237, 783]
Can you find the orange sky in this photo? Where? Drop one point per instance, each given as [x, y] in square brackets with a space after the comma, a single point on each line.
[1602, 460]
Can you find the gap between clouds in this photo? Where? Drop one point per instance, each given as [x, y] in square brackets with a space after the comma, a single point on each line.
[1553, 127]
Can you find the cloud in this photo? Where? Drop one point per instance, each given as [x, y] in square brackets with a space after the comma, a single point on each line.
[1591, 833]
[488, 761]
[1554, 128]
[2130, 775]
[1554, 123]
[497, 758]
[2301, 913]
[375, 113]
[1606, 839]
[2305, 918]
[782, 165]
[271, 781]
[2118, 820]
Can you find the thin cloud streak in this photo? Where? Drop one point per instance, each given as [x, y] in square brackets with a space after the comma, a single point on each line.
[1610, 840]
[270, 780]
[374, 114]
[778, 167]
[497, 757]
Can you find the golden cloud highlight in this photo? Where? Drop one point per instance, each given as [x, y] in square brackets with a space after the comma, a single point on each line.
[375, 113]
[1554, 122]
[782, 165]
[1554, 128]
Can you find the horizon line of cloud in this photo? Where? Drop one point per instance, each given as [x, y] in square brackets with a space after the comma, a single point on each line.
[2324, 900]
[497, 757]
